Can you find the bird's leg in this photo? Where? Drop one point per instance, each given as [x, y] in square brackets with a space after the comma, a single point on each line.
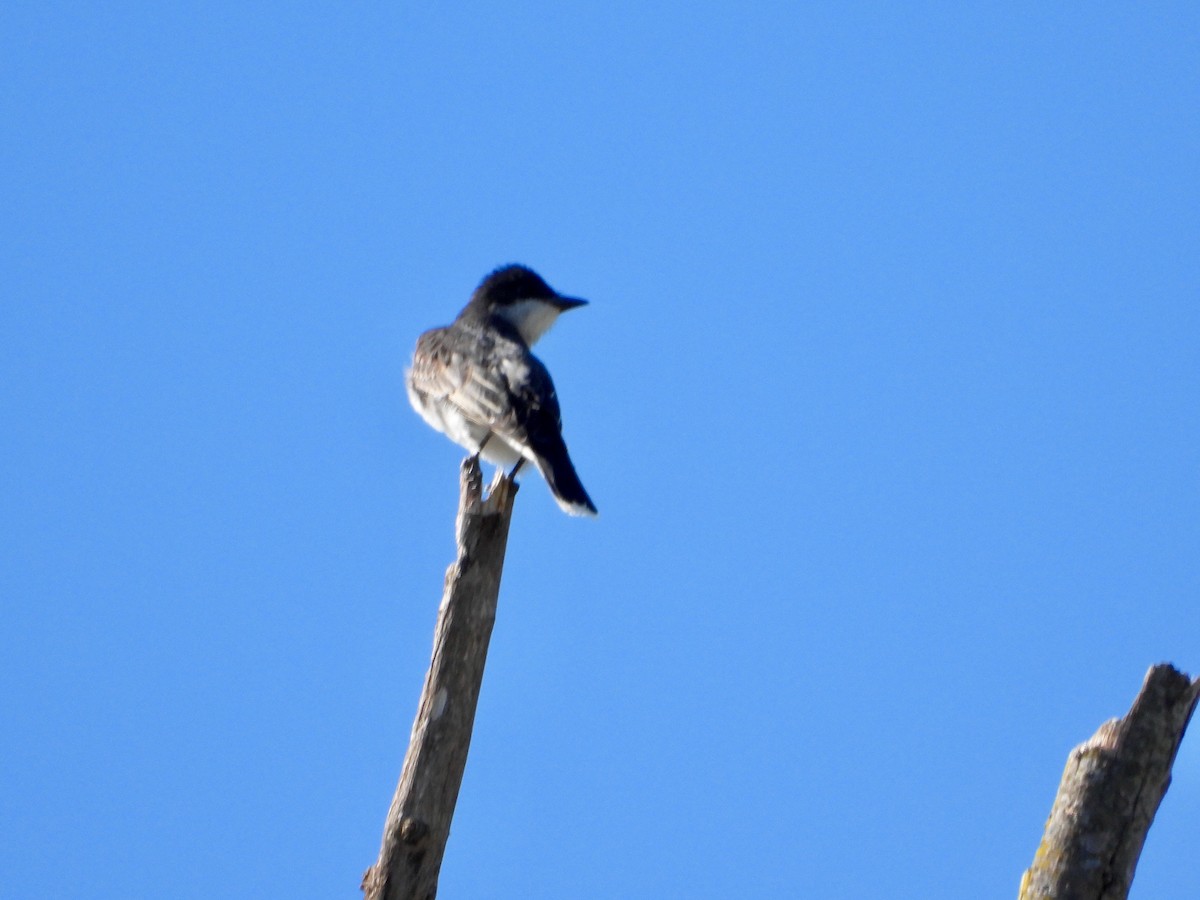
[475, 455]
[516, 468]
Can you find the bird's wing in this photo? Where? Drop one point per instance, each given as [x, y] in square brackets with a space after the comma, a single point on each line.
[535, 419]
[454, 369]
[536, 424]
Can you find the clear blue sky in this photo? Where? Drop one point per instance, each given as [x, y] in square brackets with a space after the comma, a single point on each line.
[888, 394]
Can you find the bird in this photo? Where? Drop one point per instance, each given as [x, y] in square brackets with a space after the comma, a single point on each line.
[477, 382]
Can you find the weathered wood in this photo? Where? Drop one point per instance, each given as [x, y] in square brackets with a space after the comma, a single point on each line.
[1110, 791]
[418, 822]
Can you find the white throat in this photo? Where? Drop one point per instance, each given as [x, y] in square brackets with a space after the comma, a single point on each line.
[531, 318]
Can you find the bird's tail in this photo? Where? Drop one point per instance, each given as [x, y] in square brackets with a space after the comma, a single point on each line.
[556, 468]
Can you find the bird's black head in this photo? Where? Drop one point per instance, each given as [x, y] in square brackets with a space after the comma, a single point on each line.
[512, 283]
[519, 296]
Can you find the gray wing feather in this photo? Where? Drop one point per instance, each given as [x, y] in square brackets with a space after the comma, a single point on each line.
[493, 381]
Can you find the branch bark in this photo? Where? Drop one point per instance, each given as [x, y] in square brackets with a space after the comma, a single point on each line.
[418, 822]
[1110, 791]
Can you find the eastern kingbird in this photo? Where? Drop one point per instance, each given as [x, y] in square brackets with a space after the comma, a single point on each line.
[477, 383]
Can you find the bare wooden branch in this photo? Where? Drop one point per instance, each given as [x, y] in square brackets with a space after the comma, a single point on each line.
[1110, 791]
[418, 823]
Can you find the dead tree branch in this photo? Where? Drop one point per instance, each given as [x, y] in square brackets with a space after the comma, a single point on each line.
[1110, 791]
[418, 822]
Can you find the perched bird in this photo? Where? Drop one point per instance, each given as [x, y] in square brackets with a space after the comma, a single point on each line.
[477, 383]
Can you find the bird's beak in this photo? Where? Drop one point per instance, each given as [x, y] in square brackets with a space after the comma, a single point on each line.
[565, 303]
